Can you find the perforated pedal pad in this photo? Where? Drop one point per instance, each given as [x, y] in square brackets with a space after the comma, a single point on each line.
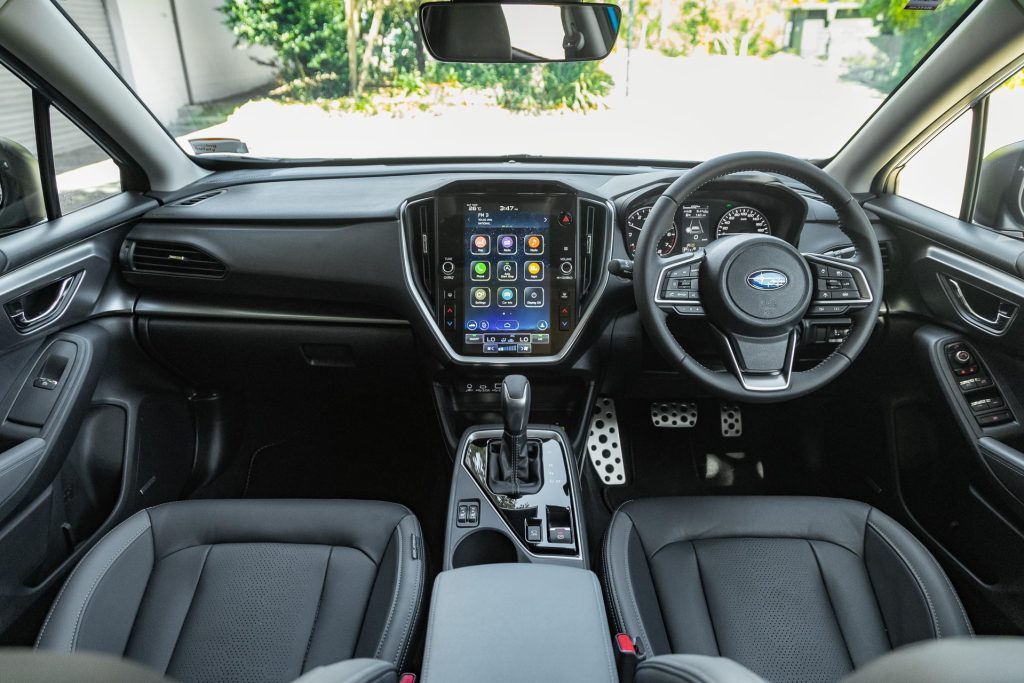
[732, 420]
[604, 444]
[672, 415]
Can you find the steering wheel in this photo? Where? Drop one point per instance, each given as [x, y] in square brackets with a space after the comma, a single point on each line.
[755, 290]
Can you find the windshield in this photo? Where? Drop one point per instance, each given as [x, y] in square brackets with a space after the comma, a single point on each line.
[687, 80]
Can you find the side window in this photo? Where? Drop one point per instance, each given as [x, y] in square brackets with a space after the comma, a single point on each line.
[85, 173]
[21, 189]
[936, 175]
[1000, 199]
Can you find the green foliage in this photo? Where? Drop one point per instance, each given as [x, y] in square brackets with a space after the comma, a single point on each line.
[309, 38]
[907, 36]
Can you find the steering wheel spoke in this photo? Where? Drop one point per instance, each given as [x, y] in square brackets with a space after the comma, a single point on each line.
[678, 287]
[839, 287]
[761, 364]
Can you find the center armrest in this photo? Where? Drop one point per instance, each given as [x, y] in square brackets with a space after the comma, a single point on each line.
[518, 622]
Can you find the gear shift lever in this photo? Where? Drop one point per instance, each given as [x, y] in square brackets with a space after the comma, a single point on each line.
[515, 469]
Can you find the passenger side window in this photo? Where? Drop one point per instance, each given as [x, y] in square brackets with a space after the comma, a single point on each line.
[85, 173]
[21, 190]
[49, 166]
[936, 175]
[1000, 198]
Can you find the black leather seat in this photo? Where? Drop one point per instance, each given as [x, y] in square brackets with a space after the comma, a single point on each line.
[255, 590]
[802, 589]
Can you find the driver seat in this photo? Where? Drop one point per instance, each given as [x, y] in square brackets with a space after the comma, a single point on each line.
[792, 588]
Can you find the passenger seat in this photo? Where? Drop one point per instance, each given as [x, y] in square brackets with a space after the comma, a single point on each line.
[254, 590]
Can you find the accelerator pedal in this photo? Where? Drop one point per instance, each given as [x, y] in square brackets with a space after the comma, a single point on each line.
[673, 415]
[604, 444]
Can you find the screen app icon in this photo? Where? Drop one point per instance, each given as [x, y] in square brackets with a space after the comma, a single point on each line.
[507, 271]
[507, 297]
[480, 297]
[533, 297]
[534, 244]
[480, 245]
[507, 244]
[480, 271]
[534, 270]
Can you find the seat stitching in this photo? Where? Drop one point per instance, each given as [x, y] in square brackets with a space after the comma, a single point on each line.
[831, 604]
[316, 614]
[431, 625]
[394, 595]
[96, 582]
[632, 597]
[191, 602]
[917, 578]
[68, 582]
[704, 592]
[609, 662]
[406, 640]
[616, 615]
[956, 596]
[726, 537]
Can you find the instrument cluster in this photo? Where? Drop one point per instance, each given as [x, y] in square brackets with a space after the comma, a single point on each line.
[697, 223]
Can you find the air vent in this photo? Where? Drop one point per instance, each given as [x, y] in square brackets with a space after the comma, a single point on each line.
[170, 258]
[421, 217]
[196, 198]
[592, 227]
[848, 251]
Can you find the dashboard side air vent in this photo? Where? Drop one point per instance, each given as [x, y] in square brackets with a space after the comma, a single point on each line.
[593, 223]
[170, 258]
[422, 236]
[886, 247]
[196, 198]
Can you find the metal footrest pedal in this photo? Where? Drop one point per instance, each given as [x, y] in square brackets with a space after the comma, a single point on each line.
[604, 444]
[732, 420]
[674, 415]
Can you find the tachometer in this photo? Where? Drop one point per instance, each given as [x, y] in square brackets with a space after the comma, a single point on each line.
[635, 223]
[742, 220]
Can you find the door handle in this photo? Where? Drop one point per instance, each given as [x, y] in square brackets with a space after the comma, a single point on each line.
[1005, 311]
[18, 309]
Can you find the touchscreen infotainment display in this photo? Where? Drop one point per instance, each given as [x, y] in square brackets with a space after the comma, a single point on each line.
[506, 272]
[507, 261]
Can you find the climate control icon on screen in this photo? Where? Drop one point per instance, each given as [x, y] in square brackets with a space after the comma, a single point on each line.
[480, 271]
[507, 297]
[534, 271]
[480, 297]
[533, 244]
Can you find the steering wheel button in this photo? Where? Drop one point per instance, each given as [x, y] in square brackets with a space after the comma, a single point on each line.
[839, 272]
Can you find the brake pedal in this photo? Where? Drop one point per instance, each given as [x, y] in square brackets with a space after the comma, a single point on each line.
[732, 420]
[604, 444]
[673, 415]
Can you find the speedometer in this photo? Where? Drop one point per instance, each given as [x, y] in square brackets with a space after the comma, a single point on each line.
[635, 223]
[743, 220]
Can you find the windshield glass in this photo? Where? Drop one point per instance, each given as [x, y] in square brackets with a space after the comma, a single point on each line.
[687, 80]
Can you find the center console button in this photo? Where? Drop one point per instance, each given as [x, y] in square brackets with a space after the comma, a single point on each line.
[447, 267]
[566, 267]
[560, 534]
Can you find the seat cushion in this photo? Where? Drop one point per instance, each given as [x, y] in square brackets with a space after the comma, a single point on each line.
[255, 590]
[792, 588]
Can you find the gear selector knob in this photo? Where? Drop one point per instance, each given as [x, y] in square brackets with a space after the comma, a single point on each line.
[515, 405]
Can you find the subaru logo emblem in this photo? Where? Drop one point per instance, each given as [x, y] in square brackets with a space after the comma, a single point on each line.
[765, 280]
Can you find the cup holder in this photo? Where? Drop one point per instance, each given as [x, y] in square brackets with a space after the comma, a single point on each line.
[484, 547]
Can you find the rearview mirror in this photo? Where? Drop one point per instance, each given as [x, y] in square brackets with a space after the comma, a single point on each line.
[515, 32]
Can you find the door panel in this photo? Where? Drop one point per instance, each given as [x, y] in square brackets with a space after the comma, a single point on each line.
[957, 439]
[90, 430]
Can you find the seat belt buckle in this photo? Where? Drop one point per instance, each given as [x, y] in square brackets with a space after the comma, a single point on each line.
[628, 654]
[407, 678]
